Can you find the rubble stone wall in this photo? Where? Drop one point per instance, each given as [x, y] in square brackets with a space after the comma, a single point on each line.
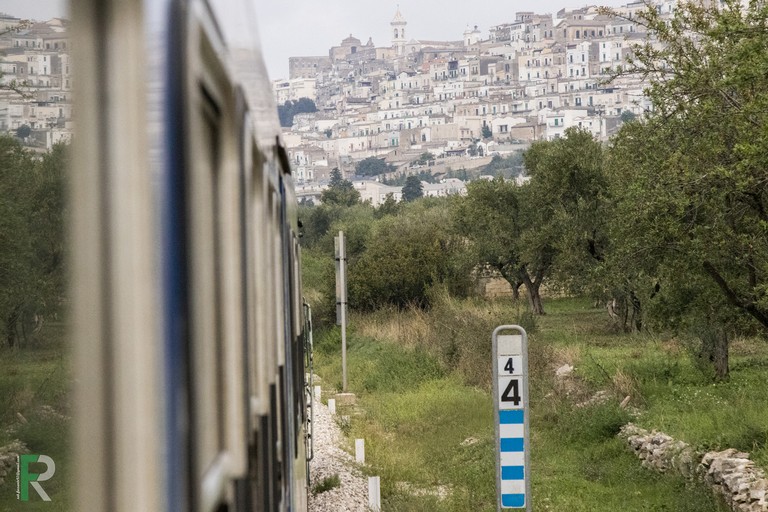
[730, 473]
[8, 455]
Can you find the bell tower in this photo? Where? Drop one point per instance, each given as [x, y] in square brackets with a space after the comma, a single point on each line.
[398, 32]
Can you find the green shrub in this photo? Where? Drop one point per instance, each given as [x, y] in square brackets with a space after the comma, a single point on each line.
[394, 369]
[327, 341]
[326, 484]
[592, 423]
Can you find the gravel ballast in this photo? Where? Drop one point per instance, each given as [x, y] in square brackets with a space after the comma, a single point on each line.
[330, 459]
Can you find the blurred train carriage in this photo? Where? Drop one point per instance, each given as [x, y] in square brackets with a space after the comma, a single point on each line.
[189, 327]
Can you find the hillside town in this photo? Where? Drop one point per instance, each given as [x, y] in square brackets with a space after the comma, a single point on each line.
[461, 101]
[35, 81]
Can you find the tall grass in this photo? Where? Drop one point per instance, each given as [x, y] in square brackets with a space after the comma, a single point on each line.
[35, 408]
[455, 331]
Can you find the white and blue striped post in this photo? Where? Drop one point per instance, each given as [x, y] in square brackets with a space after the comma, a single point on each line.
[510, 393]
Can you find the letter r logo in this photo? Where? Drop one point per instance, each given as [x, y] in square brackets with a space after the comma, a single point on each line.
[27, 478]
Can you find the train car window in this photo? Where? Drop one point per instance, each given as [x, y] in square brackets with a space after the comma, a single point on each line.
[257, 281]
[205, 253]
[274, 339]
[261, 352]
[212, 126]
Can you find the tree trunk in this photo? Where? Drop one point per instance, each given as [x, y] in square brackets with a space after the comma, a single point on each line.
[516, 290]
[612, 306]
[514, 282]
[637, 311]
[539, 309]
[10, 327]
[719, 355]
[534, 298]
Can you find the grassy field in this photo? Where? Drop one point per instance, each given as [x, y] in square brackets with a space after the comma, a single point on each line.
[35, 409]
[425, 410]
[666, 383]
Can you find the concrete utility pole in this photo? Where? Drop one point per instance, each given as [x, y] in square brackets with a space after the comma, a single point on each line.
[341, 301]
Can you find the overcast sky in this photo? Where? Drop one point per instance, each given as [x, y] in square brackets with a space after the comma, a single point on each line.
[34, 9]
[291, 28]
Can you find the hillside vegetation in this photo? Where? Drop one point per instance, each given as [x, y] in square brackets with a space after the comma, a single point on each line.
[666, 225]
[660, 238]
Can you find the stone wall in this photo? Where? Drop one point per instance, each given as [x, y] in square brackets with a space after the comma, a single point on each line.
[8, 456]
[730, 473]
[492, 287]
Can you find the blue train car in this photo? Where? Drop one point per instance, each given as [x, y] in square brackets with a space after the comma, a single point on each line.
[189, 334]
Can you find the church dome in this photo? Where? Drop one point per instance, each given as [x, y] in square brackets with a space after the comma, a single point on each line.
[350, 41]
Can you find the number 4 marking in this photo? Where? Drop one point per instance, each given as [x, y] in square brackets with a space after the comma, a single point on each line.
[509, 367]
[514, 387]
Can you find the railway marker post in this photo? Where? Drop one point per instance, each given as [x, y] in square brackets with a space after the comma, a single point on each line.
[374, 493]
[340, 247]
[510, 395]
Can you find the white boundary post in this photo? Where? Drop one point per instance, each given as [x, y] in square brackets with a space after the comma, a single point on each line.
[360, 451]
[374, 493]
[511, 418]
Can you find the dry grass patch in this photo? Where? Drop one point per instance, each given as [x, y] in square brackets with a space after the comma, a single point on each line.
[624, 384]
